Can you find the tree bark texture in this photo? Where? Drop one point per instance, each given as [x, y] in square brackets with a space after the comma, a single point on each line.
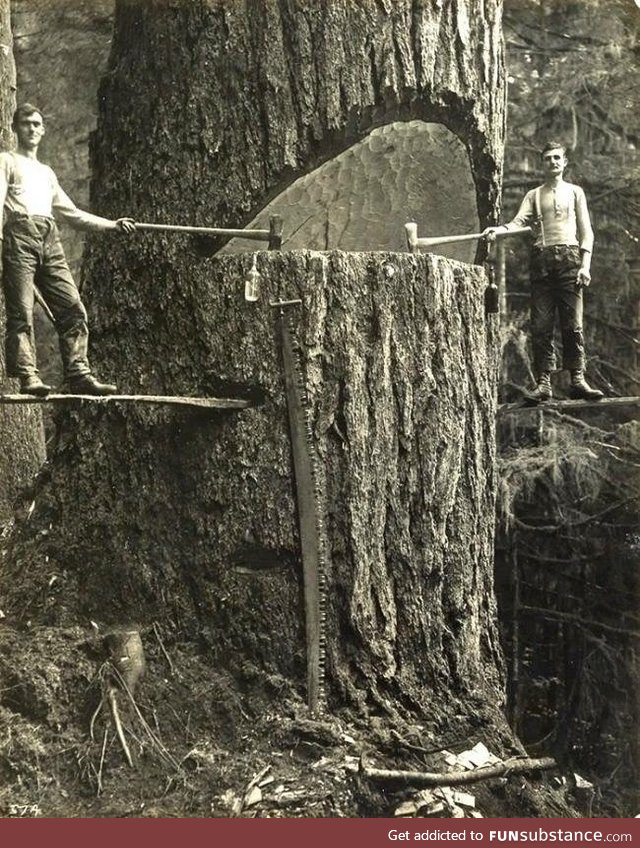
[227, 102]
[210, 109]
[191, 517]
[21, 434]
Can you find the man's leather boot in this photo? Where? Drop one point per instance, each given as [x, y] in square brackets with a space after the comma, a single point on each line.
[33, 385]
[543, 390]
[580, 389]
[88, 385]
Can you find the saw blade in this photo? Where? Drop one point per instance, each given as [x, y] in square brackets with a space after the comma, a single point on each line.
[309, 513]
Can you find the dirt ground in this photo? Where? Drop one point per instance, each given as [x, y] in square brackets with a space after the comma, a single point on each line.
[216, 744]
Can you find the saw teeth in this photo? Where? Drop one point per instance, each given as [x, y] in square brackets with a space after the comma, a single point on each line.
[298, 402]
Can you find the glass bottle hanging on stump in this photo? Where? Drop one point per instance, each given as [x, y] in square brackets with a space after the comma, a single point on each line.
[491, 293]
[491, 296]
[252, 283]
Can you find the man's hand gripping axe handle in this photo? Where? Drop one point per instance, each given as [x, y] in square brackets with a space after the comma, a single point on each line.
[273, 235]
[414, 243]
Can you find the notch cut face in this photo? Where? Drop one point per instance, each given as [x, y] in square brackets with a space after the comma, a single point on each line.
[362, 198]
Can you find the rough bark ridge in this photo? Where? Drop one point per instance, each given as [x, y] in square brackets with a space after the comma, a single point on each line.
[21, 434]
[191, 518]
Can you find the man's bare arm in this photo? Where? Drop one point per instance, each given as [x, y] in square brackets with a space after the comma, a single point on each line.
[525, 216]
[4, 188]
[66, 209]
[585, 238]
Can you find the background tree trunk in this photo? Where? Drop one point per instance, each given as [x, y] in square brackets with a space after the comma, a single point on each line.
[21, 433]
[208, 111]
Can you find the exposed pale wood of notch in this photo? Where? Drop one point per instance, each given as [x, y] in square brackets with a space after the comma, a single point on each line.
[520, 406]
[157, 400]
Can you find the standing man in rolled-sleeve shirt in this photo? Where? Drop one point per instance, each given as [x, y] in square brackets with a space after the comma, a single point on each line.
[560, 262]
[32, 255]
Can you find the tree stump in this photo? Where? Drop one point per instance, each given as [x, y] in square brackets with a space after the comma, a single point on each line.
[191, 518]
[207, 112]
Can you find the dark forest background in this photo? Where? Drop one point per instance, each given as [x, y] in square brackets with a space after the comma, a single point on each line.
[567, 559]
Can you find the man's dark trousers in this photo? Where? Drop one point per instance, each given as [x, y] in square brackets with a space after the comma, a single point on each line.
[554, 272]
[32, 254]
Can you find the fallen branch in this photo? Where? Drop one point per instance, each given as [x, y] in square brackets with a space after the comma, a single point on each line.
[156, 630]
[95, 715]
[576, 422]
[516, 765]
[102, 753]
[113, 703]
[155, 741]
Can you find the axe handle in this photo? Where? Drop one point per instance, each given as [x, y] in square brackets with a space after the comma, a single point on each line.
[273, 235]
[255, 235]
[414, 242]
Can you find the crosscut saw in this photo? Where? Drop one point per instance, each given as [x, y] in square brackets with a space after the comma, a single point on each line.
[310, 521]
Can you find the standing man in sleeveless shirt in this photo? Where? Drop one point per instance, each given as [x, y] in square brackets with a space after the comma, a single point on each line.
[559, 270]
[30, 196]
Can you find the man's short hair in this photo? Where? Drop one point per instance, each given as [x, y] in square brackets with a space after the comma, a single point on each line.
[553, 145]
[23, 111]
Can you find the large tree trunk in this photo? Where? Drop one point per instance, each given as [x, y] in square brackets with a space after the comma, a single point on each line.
[208, 111]
[21, 433]
[225, 103]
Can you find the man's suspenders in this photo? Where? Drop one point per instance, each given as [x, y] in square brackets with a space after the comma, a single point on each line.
[536, 203]
[538, 210]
